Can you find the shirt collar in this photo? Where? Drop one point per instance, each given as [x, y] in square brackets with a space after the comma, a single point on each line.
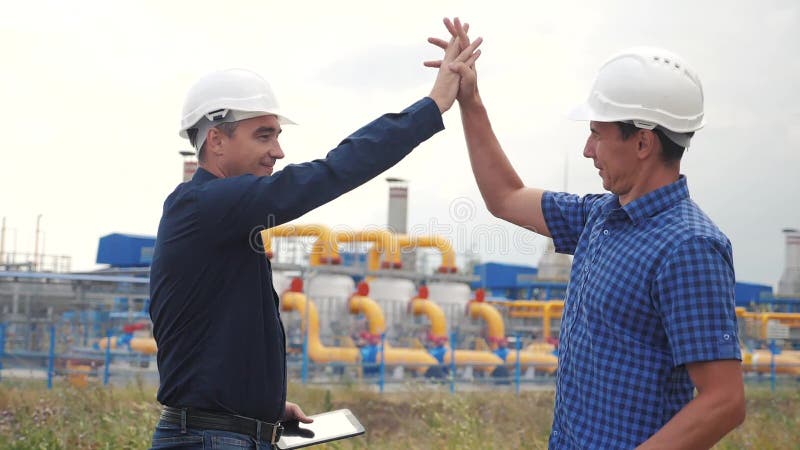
[202, 175]
[657, 201]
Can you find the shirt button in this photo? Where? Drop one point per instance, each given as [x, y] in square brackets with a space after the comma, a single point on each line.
[605, 232]
[586, 269]
[726, 336]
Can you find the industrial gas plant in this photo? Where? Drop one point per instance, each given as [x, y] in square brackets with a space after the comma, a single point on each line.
[377, 306]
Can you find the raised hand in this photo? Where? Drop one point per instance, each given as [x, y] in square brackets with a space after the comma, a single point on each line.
[458, 53]
[468, 82]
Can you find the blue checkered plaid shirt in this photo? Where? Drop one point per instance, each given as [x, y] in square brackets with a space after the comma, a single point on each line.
[651, 289]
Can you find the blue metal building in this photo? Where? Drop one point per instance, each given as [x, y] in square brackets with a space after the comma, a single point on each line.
[126, 250]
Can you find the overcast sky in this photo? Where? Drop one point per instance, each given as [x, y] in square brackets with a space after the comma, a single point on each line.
[91, 94]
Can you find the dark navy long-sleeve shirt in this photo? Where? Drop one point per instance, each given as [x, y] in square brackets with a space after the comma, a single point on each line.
[215, 313]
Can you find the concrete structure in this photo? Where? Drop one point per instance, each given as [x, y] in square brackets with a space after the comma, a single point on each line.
[789, 284]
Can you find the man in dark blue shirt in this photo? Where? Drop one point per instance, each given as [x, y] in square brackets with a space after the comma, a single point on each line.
[649, 313]
[221, 344]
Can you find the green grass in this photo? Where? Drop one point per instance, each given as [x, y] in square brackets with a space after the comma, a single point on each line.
[31, 417]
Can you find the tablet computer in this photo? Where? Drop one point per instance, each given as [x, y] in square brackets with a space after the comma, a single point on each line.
[328, 426]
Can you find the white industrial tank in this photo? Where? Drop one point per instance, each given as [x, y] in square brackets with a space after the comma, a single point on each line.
[452, 297]
[392, 295]
[330, 293]
[281, 282]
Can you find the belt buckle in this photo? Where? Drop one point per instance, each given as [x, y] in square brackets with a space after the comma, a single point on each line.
[277, 431]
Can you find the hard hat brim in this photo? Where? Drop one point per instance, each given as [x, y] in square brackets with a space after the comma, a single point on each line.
[282, 119]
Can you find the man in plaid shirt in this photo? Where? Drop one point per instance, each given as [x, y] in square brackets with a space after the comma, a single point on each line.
[649, 314]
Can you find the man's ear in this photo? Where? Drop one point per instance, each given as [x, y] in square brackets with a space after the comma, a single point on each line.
[214, 141]
[648, 143]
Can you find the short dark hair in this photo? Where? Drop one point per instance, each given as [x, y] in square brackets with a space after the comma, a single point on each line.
[228, 128]
[671, 151]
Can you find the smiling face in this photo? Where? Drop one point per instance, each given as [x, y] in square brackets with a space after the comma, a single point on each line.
[615, 157]
[252, 148]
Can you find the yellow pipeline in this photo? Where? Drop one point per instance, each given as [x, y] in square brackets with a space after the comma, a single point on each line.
[143, 345]
[791, 320]
[496, 330]
[420, 358]
[422, 306]
[103, 343]
[554, 309]
[526, 309]
[325, 253]
[488, 360]
[546, 362]
[384, 242]
[439, 242]
[359, 304]
[538, 357]
[296, 301]
[760, 360]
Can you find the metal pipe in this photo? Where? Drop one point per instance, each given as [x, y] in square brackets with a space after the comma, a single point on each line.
[51, 358]
[106, 370]
[36, 243]
[3, 242]
[517, 366]
[382, 367]
[453, 363]
[2, 346]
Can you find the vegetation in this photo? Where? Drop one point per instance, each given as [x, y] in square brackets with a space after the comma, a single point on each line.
[419, 417]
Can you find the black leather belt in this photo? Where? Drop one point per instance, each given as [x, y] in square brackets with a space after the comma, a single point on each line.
[197, 418]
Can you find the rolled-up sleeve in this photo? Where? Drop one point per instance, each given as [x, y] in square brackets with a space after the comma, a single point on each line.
[694, 292]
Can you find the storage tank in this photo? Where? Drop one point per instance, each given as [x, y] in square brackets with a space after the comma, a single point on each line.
[330, 293]
[393, 295]
[280, 281]
[452, 297]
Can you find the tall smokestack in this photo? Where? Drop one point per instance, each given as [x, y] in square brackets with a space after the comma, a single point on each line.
[398, 205]
[398, 217]
[789, 285]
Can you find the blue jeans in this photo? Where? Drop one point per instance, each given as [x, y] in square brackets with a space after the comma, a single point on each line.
[169, 436]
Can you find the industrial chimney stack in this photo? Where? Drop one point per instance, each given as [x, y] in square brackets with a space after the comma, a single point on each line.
[789, 286]
[398, 205]
[398, 216]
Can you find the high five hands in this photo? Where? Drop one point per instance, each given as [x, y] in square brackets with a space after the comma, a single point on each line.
[456, 77]
[462, 65]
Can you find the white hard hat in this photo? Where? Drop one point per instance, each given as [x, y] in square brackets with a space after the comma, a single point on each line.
[648, 87]
[228, 96]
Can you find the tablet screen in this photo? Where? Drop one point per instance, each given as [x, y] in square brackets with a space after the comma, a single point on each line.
[327, 426]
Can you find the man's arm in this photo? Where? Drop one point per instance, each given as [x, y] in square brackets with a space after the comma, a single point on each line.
[505, 195]
[694, 292]
[502, 189]
[718, 408]
[240, 205]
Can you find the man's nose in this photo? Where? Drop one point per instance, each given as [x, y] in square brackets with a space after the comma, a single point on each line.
[588, 150]
[277, 152]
